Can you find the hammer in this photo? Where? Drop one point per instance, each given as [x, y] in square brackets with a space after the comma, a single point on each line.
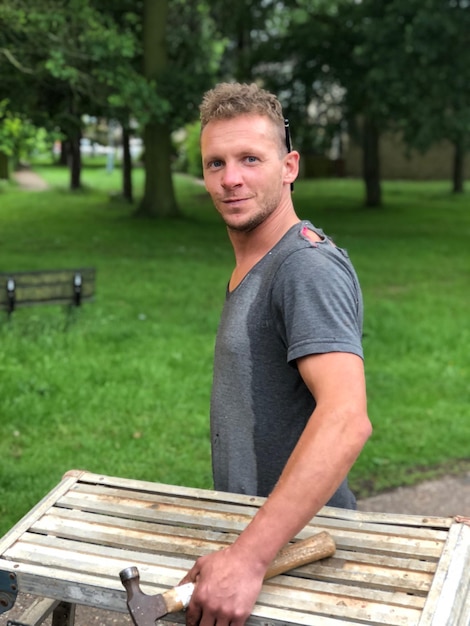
[145, 609]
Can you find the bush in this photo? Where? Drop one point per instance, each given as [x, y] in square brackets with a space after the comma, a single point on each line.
[189, 153]
[193, 149]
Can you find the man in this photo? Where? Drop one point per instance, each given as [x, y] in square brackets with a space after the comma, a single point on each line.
[288, 408]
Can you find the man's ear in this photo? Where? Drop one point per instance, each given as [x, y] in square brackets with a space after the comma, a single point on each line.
[291, 166]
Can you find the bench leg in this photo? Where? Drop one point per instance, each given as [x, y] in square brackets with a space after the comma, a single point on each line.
[64, 614]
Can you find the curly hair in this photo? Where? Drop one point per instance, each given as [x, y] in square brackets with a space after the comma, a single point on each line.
[229, 100]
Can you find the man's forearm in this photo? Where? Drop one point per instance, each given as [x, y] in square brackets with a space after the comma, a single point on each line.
[320, 462]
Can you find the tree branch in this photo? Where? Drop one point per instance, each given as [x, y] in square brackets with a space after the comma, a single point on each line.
[12, 59]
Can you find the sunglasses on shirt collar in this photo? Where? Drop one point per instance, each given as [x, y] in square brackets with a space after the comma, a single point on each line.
[288, 142]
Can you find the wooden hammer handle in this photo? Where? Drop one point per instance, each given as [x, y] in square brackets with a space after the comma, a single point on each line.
[293, 555]
[302, 552]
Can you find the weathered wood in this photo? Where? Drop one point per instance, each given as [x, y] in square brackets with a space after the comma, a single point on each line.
[37, 612]
[448, 601]
[387, 570]
[37, 511]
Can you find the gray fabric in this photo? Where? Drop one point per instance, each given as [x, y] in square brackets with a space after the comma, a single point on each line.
[301, 298]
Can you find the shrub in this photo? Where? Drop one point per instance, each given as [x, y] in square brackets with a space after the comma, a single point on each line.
[188, 151]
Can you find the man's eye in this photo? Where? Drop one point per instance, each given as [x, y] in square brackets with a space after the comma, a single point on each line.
[215, 164]
[251, 159]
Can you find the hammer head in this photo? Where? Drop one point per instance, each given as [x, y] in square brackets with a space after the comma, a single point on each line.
[144, 609]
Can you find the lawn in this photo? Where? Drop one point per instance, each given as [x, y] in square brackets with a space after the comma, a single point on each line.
[124, 389]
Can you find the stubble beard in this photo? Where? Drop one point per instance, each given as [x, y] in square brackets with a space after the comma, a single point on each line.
[250, 225]
[253, 221]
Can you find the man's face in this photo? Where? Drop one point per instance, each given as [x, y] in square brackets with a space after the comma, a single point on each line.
[244, 169]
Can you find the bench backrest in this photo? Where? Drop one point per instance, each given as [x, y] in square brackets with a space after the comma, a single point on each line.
[69, 286]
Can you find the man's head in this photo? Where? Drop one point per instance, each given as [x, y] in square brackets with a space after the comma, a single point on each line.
[229, 100]
[247, 167]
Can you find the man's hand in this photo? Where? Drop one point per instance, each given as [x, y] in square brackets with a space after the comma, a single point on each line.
[228, 583]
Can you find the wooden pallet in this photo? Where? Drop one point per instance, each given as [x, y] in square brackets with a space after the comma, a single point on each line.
[388, 570]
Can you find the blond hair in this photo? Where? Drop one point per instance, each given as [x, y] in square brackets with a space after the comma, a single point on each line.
[229, 100]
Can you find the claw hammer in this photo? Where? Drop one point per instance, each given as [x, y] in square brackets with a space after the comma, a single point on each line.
[145, 609]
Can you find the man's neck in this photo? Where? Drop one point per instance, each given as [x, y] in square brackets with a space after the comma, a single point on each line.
[250, 247]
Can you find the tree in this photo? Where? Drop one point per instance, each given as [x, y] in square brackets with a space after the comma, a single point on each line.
[92, 59]
[159, 198]
[428, 78]
[181, 53]
[244, 25]
[127, 95]
[404, 66]
[323, 53]
[58, 47]
[17, 70]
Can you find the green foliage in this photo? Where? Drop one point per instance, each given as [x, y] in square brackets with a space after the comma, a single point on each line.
[399, 65]
[124, 390]
[431, 83]
[19, 138]
[404, 63]
[194, 49]
[8, 129]
[189, 151]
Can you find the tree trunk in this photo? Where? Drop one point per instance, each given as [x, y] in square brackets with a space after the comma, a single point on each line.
[159, 197]
[243, 69]
[458, 167]
[371, 163]
[126, 166]
[75, 163]
[64, 152]
[4, 169]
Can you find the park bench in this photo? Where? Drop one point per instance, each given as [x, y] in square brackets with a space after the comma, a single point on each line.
[66, 286]
[388, 569]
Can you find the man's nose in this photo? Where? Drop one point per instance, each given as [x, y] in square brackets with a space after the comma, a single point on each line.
[231, 176]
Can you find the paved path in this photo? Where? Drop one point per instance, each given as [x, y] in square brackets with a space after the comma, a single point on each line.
[448, 496]
[30, 181]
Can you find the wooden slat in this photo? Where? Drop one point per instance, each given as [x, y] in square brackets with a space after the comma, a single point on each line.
[271, 616]
[36, 512]
[331, 513]
[374, 571]
[157, 499]
[147, 537]
[448, 601]
[397, 519]
[143, 536]
[289, 588]
[192, 517]
[153, 510]
[101, 566]
[194, 494]
[99, 500]
[81, 589]
[332, 602]
[85, 526]
[372, 578]
[337, 569]
[338, 600]
[190, 493]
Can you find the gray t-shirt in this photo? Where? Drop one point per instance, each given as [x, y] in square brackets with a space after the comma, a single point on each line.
[301, 298]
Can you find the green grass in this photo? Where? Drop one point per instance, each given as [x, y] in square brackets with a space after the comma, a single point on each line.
[124, 390]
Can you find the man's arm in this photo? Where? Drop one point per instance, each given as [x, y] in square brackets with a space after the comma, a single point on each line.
[229, 581]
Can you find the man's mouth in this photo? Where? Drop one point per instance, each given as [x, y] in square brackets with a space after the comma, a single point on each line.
[234, 200]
